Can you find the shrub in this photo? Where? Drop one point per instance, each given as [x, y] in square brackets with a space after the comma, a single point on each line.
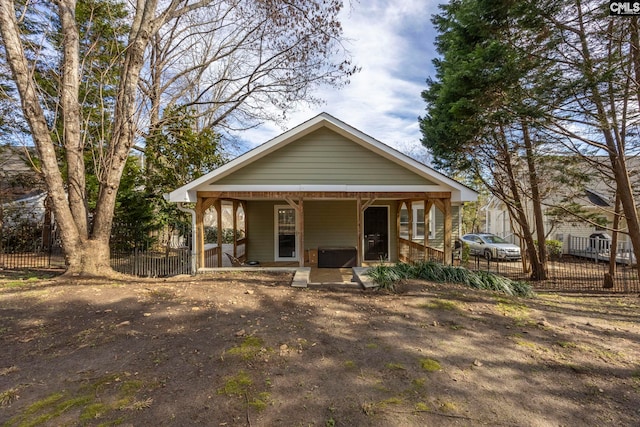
[554, 248]
[387, 277]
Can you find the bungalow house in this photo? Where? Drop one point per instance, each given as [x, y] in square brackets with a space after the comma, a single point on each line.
[325, 194]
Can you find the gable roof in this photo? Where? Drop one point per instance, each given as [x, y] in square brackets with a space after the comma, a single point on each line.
[436, 181]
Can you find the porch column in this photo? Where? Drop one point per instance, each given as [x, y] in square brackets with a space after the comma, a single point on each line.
[428, 204]
[218, 207]
[202, 205]
[448, 229]
[410, 213]
[398, 227]
[199, 237]
[299, 207]
[235, 228]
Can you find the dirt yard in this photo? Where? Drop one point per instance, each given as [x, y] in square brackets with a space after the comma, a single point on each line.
[249, 350]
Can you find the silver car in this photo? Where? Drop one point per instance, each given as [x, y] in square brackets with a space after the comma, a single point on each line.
[491, 246]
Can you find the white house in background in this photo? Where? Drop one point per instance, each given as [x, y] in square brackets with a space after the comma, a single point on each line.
[27, 209]
[596, 198]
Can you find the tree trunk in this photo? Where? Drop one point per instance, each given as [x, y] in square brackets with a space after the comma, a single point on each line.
[90, 257]
[615, 146]
[537, 205]
[72, 138]
[537, 269]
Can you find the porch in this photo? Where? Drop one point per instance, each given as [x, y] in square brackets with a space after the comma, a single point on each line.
[403, 234]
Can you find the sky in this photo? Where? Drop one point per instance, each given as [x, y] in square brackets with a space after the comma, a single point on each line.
[393, 42]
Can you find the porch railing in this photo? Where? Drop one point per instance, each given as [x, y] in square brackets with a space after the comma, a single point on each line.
[211, 256]
[413, 251]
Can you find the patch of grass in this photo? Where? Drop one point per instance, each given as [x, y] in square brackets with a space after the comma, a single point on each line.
[422, 407]
[31, 276]
[162, 294]
[395, 366]
[418, 383]
[516, 310]
[448, 406]
[430, 365]
[250, 347]
[237, 385]
[370, 408]
[93, 411]
[524, 343]
[260, 402]
[241, 385]
[440, 304]
[566, 344]
[371, 345]
[350, 364]
[94, 401]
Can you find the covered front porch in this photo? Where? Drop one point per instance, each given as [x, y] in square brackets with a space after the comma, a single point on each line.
[295, 228]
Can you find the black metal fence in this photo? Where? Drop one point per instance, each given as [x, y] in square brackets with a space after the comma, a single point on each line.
[33, 245]
[30, 245]
[568, 273]
[161, 253]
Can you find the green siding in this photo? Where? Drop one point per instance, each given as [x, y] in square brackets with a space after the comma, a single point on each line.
[327, 223]
[261, 231]
[438, 241]
[323, 158]
[330, 223]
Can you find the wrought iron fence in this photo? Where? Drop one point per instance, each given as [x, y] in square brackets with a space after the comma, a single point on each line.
[161, 253]
[30, 245]
[569, 273]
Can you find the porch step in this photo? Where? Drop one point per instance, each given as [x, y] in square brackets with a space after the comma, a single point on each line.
[301, 277]
[360, 277]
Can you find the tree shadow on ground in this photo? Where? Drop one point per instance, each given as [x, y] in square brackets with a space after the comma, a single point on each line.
[247, 350]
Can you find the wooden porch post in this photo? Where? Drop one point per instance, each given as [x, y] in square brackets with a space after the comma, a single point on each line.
[300, 212]
[398, 213]
[218, 207]
[410, 212]
[199, 237]
[428, 204]
[235, 228]
[448, 229]
[359, 246]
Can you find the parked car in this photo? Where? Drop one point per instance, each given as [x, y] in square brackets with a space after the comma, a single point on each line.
[491, 246]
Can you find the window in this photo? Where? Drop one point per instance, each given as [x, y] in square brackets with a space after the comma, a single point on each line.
[418, 221]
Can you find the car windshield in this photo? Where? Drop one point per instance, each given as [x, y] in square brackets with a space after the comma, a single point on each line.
[494, 239]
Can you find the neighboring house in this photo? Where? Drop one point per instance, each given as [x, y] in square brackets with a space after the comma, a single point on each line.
[22, 194]
[596, 198]
[326, 189]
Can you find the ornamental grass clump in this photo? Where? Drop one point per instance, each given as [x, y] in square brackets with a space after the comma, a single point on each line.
[387, 277]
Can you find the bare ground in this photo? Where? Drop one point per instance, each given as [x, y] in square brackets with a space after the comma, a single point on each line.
[248, 350]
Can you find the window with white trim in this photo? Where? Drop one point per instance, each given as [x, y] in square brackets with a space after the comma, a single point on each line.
[418, 221]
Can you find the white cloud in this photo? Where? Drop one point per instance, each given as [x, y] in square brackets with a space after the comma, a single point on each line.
[392, 40]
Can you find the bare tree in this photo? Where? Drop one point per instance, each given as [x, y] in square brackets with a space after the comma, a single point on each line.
[287, 36]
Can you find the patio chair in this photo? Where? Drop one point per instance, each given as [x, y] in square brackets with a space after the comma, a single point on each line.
[235, 262]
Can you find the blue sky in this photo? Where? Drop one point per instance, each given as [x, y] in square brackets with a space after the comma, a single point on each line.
[392, 40]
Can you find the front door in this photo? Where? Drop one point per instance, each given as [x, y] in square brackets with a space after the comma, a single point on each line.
[376, 233]
[286, 242]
